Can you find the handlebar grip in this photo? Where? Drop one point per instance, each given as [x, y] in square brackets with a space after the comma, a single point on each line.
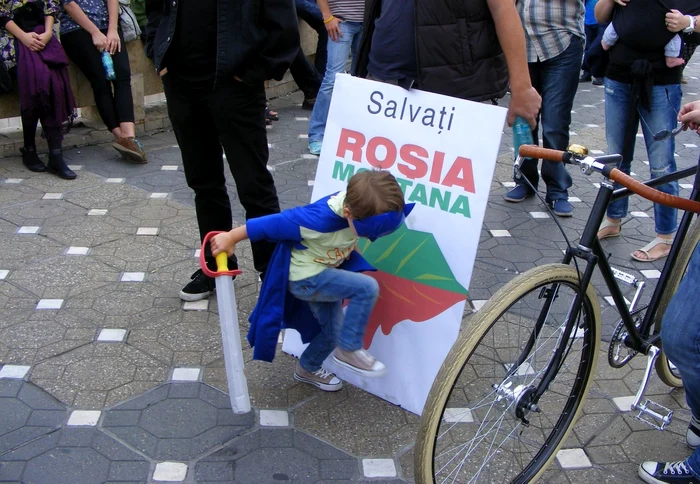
[653, 194]
[534, 151]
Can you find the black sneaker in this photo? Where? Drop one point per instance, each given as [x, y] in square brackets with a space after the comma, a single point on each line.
[201, 286]
[597, 81]
[666, 473]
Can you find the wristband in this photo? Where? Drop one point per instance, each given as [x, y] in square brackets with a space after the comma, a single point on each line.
[691, 28]
[328, 20]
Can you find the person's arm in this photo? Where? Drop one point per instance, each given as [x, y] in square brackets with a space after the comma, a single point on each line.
[276, 227]
[99, 40]
[31, 40]
[676, 21]
[113, 43]
[524, 101]
[604, 8]
[227, 241]
[48, 30]
[154, 12]
[332, 23]
[689, 115]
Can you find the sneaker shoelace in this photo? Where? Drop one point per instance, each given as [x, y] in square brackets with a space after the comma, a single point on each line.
[323, 374]
[674, 468]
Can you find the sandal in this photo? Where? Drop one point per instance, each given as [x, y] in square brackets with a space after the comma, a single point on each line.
[607, 224]
[649, 247]
[271, 115]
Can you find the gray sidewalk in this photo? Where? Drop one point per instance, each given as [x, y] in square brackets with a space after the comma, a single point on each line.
[109, 377]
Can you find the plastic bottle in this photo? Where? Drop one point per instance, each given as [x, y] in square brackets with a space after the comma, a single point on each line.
[522, 134]
[109, 67]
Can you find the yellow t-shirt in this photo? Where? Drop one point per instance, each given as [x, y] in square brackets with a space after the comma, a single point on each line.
[323, 249]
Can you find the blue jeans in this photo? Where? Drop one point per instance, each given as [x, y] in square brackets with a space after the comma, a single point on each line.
[621, 130]
[308, 11]
[325, 293]
[338, 53]
[680, 334]
[556, 80]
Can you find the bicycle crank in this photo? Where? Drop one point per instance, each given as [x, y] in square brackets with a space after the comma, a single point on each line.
[619, 354]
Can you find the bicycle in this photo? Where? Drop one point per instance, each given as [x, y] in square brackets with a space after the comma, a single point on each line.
[513, 384]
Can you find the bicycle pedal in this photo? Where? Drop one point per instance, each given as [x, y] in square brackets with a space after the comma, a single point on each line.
[653, 414]
[624, 277]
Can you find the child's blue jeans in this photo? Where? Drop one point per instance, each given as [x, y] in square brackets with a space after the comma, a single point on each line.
[325, 293]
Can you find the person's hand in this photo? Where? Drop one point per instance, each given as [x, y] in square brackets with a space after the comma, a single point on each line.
[99, 40]
[689, 115]
[222, 243]
[163, 72]
[676, 21]
[113, 43]
[622, 3]
[236, 78]
[525, 103]
[32, 41]
[333, 29]
[45, 38]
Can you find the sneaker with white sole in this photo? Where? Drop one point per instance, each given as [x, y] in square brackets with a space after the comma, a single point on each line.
[360, 362]
[320, 378]
[667, 473]
[692, 436]
[315, 147]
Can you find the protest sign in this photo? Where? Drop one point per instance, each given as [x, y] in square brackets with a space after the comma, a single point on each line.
[443, 153]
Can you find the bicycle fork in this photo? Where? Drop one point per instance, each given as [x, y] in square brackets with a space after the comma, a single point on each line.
[650, 413]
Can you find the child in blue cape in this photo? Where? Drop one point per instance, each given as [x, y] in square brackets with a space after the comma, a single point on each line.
[314, 268]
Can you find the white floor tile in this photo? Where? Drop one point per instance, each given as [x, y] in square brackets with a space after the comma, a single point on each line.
[147, 231]
[574, 199]
[77, 251]
[170, 472]
[597, 152]
[597, 185]
[302, 118]
[98, 211]
[202, 305]
[500, 233]
[378, 468]
[639, 214]
[458, 415]
[115, 180]
[303, 136]
[75, 167]
[84, 418]
[113, 335]
[3, 273]
[274, 418]
[589, 105]
[310, 157]
[15, 372]
[479, 303]
[573, 459]
[508, 184]
[52, 196]
[169, 168]
[690, 145]
[592, 126]
[28, 230]
[133, 276]
[651, 273]
[539, 214]
[197, 252]
[624, 404]
[687, 186]
[158, 195]
[186, 374]
[573, 133]
[311, 183]
[49, 304]
[14, 181]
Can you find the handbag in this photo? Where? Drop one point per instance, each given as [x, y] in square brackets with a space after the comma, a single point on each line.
[127, 21]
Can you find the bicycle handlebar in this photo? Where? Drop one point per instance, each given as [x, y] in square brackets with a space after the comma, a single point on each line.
[652, 194]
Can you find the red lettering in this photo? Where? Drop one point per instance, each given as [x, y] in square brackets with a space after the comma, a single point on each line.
[461, 175]
[390, 157]
[436, 170]
[353, 142]
[418, 167]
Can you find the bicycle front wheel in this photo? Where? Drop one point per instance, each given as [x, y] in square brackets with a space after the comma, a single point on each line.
[475, 426]
[668, 373]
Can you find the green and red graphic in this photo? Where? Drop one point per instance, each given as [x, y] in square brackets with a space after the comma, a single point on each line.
[415, 281]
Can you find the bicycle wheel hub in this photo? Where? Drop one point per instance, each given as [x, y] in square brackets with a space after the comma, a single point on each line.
[518, 400]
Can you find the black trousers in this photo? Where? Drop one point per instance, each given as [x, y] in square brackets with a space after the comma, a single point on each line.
[209, 121]
[305, 75]
[114, 107]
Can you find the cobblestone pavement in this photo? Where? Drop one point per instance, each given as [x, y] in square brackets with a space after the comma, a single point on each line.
[106, 376]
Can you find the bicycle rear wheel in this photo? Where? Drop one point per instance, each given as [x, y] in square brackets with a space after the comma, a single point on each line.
[667, 372]
[472, 427]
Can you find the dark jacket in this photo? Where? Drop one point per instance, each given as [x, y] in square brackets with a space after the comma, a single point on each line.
[457, 49]
[257, 40]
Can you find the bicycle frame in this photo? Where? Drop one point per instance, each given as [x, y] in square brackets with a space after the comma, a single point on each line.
[590, 250]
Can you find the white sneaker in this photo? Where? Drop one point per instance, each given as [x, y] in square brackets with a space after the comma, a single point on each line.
[692, 436]
[360, 362]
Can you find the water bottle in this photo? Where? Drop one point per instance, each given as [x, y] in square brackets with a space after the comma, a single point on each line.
[522, 134]
[109, 66]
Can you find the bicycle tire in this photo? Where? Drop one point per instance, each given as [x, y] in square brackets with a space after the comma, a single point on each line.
[663, 367]
[467, 345]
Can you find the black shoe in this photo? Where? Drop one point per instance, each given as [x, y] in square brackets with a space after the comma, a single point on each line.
[58, 167]
[308, 103]
[666, 472]
[31, 159]
[597, 81]
[202, 286]
[585, 77]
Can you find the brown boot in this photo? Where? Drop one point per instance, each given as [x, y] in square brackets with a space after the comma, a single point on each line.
[130, 149]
